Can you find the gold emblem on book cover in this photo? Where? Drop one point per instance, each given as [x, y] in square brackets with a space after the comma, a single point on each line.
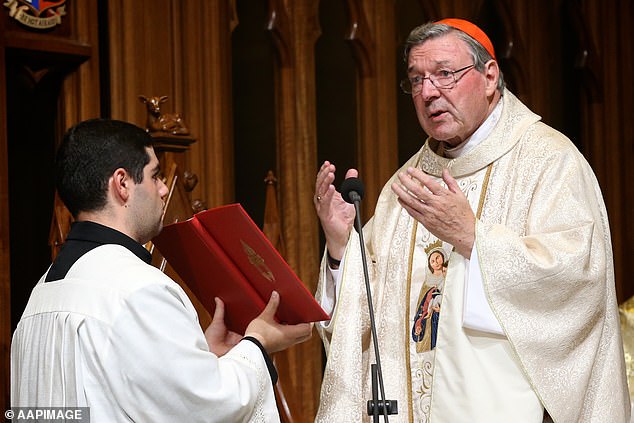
[258, 262]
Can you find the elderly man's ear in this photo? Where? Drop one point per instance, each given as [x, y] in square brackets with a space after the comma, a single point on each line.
[492, 75]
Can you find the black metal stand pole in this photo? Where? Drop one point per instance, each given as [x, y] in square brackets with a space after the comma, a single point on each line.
[375, 406]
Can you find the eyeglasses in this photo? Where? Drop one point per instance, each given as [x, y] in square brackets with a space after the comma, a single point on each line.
[443, 79]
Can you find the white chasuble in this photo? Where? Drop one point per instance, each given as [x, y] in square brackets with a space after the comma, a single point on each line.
[439, 344]
[544, 254]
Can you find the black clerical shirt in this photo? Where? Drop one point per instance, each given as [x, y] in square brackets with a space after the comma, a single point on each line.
[83, 237]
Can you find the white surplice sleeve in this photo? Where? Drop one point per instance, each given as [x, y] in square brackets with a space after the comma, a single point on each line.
[159, 368]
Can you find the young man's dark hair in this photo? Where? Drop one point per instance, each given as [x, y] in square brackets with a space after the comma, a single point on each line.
[89, 154]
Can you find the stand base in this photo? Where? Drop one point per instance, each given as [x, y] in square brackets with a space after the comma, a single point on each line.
[390, 405]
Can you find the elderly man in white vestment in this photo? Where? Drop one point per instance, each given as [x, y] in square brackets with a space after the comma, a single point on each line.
[106, 330]
[519, 322]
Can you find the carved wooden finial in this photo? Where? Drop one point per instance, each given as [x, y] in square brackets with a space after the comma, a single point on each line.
[198, 205]
[270, 178]
[190, 180]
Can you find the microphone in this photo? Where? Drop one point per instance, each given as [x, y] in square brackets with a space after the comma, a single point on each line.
[352, 191]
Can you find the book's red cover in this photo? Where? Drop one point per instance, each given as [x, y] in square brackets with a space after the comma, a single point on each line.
[222, 253]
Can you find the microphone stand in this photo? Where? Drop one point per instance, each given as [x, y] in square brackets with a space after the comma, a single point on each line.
[375, 406]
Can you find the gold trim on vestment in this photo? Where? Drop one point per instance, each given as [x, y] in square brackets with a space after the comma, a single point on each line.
[485, 185]
[409, 289]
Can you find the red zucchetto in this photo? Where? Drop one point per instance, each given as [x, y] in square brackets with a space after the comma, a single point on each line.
[471, 29]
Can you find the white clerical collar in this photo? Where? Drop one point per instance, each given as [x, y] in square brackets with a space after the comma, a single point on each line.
[478, 136]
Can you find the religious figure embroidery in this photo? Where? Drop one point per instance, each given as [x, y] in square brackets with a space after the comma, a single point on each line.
[425, 327]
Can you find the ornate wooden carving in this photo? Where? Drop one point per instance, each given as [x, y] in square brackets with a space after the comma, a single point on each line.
[164, 142]
[158, 121]
[272, 227]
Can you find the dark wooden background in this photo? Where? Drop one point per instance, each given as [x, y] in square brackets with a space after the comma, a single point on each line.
[283, 85]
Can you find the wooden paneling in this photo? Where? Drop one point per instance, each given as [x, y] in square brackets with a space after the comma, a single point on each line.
[376, 143]
[142, 57]
[257, 79]
[80, 96]
[292, 24]
[571, 61]
[205, 95]
[180, 49]
[606, 131]
[337, 85]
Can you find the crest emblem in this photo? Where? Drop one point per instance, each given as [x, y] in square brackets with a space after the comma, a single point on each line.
[258, 262]
[38, 14]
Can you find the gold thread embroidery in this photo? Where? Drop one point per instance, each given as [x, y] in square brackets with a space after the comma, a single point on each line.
[409, 289]
[485, 185]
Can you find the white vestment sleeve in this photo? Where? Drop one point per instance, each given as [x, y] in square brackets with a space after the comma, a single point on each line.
[161, 370]
[477, 313]
[330, 291]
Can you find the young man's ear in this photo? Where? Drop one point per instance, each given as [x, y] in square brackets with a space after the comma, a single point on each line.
[120, 183]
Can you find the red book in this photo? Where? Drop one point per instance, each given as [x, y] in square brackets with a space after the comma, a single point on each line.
[222, 253]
